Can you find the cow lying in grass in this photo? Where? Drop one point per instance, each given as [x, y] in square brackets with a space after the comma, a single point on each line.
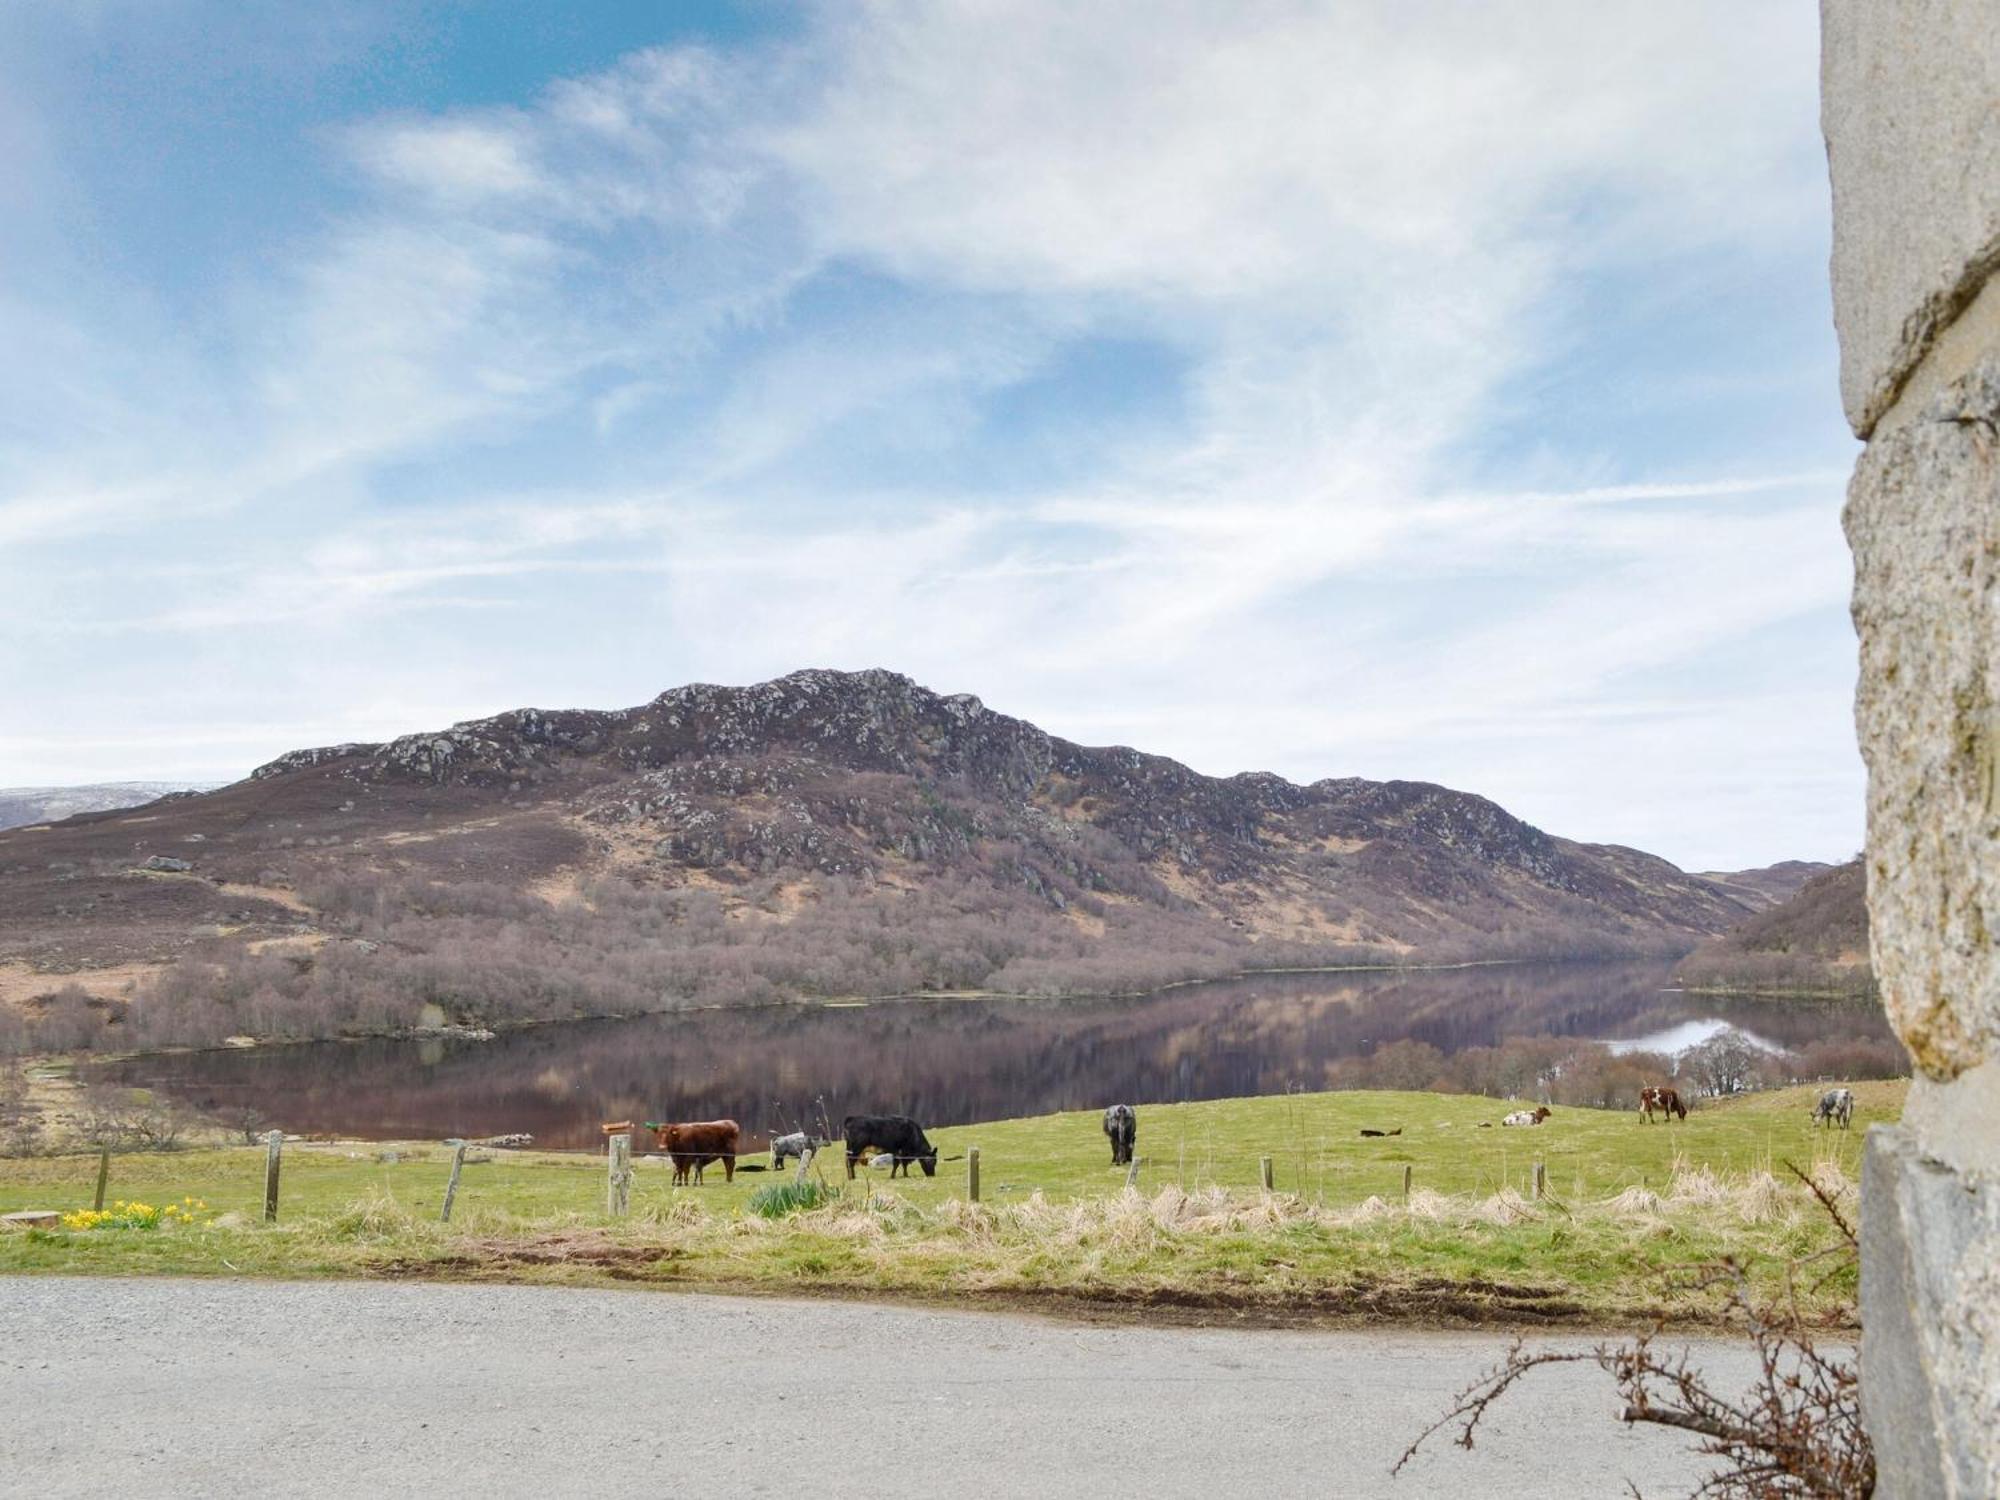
[1533, 1116]
[1667, 1101]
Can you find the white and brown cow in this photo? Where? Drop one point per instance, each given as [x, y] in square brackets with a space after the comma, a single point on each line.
[1663, 1099]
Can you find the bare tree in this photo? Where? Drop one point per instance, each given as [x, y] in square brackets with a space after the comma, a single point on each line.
[1726, 1063]
[1795, 1434]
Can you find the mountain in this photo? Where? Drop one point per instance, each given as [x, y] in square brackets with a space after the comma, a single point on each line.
[22, 805]
[825, 833]
[1770, 885]
[1817, 940]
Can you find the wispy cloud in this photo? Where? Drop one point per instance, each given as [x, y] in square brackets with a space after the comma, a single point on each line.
[730, 358]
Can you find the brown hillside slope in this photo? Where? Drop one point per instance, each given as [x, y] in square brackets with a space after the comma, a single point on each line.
[1769, 886]
[1816, 941]
[828, 832]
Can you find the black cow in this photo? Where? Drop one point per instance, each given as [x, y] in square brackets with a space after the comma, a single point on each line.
[1121, 1123]
[895, 1136]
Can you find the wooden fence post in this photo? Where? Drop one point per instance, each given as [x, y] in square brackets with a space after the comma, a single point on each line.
[972, 1174]
[618, 1189]
[274, 1148]
[451, 1183]
[1264, 1171]
[1407, 1172]
[103, 1177]
[1541, 1181]
[805, 1160]
[1132, 1172]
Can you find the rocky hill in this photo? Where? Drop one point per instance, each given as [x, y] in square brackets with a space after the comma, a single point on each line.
[1816, 941]
[824, 833]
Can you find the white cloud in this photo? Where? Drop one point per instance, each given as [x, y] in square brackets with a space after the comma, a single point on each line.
[1356, 228]
[1186, 149]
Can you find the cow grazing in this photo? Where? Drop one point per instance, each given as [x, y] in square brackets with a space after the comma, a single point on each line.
[1121, 1123]
[1665, 1100]
[896, 1136]
[1836, 1106]
[797, 1144]
[694, 1144]
[1534, 1116]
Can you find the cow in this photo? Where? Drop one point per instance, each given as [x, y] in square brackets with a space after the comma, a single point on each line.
[797, 1144]
[1667, 1101]
[694, 1144]
[1121, 1123]
[1528, 1117]
[1835, 1106]
[896, 1136]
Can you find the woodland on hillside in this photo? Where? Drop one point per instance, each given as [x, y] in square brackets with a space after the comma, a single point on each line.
[401, 952]
[1815, 942]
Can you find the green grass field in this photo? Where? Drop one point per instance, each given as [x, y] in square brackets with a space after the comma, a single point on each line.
[1627, 1203]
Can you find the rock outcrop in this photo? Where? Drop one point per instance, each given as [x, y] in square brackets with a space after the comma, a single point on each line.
[862, 773]
[1913, 142]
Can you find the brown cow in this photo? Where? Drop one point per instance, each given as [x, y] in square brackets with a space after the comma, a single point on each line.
[694, 1144]
[1667, 1101]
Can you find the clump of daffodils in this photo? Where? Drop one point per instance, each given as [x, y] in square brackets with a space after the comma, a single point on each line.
[136, 1215]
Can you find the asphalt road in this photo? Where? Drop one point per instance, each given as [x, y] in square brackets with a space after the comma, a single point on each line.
[356, 1388]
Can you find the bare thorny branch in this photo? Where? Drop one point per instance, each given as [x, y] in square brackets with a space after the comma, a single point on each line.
[1795, 1434]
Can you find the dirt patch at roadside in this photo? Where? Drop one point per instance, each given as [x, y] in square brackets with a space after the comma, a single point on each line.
[1426, 1302]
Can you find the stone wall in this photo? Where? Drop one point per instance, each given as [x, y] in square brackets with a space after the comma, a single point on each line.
[1911, 112]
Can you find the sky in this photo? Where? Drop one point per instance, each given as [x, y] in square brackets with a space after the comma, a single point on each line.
[1442, 391]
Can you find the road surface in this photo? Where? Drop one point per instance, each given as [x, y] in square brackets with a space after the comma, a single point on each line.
[384, 1389]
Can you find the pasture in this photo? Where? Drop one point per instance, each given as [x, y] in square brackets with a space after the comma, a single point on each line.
[1626, 1202]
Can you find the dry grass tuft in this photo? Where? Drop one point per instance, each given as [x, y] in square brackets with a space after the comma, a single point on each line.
[1699, 1188]
[1427, 1203]
[1762, 1199]
[671, 1212]
[1635, 1202]
[377, 1217]
[1507, 1207]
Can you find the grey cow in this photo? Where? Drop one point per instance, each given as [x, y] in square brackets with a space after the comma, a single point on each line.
[798, 1143]
[1836, 1106]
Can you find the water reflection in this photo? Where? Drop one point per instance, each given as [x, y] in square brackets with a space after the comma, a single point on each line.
[947, 1061]
[1673, 1040]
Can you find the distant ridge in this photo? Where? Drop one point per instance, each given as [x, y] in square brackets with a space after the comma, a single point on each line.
[827, 832]
[1816, 940]
[21, 805]
[1770, 885]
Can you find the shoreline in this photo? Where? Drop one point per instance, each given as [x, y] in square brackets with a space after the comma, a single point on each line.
[497, 1029]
